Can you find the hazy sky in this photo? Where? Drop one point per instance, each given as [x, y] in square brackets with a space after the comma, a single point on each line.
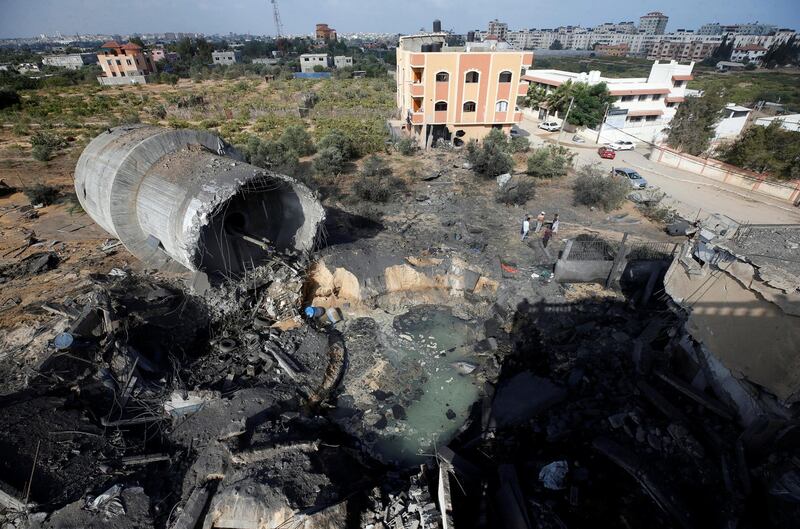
[21, 18]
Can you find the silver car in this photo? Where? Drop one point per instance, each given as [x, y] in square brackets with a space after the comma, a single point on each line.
[632, 177]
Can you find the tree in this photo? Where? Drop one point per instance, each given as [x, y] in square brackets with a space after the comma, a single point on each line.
[767, 150]
[593, 189]
[272, 155]
[296, 137]
[340, 141]
[136, 40]
[589, 104]
[556, 45]
[723, 51]
[329, 162]
[781, 54]
[692, 127]
[489, 159]
[536, 96]
[319, 68]
[550, 162]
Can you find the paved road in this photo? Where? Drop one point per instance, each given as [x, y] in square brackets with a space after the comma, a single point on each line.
[690, 194]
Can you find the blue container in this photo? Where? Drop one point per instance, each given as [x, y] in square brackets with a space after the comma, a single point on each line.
[314, 312]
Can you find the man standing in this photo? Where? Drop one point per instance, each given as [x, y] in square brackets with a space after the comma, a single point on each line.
[526, 227]
[554, 226]
[539, 221]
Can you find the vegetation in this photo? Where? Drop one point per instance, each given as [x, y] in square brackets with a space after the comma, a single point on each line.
[749, 87]
[516, 192]
[45, 144]
[550, 162]
[518, 144]
[610, 66]
[593, 189]
[273, 155]
[783, 54]
[8, 98]
[338, 140]
[376, 182]
[767, 150]
[41, 194]
[407, 146]
[329, 161]
[556, 45]
[296, 138]
[588, 101]
[490, 158]
[692, 128]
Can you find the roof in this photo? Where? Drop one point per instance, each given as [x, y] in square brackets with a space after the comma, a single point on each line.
[111, 44]
[130, 46]
[738, 108]
[751, 47]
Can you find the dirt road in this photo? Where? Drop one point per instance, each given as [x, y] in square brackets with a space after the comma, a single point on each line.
[691, 195]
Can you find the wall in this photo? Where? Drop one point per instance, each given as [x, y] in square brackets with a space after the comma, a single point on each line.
[722, 172]
[117, 81]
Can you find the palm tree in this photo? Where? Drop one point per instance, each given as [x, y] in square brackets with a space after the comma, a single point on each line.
[558, 99]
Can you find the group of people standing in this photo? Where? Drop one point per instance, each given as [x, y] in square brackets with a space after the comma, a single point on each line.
[549, 230]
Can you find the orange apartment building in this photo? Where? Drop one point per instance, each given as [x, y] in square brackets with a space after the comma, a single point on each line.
[124, 63]
[458, 94]
[325, 33]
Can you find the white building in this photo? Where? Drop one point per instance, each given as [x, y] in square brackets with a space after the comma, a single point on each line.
[732, 123]
[342, 61]
[309, 60]
[498, 29]
[226, 57]
[789, 122]
[653, 23]
[644, 107]
[749, 53]
[72, 61]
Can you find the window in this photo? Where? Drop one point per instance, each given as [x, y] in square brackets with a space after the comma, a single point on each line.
[656, 97]
[505, 77]
[119, 62]
[122, 74]
[440, 106]
[128, 61]
[651, 118]
[635, 119]
[670, 105]
[442, 77]
[113, 74]
[678, 84]
[306, 59]
[501, 106]
[469, 106]
[109, 62]
[627, 98]
[472, 77]
[643, 98]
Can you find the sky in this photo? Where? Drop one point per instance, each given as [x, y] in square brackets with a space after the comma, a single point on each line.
[26, 18]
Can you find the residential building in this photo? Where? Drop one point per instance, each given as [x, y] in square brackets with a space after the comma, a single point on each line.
[342, 61]
[727, 66]
[28, 67]
[226, 58]
[325, 33]
[710, 29]
[458, 93]
[72, 61]
[653, 23]
[681, 49]
[309, 60]
[160, 54]
[124, 63]
[751, 28]
[733, 121]
[789, 122]
[612, 50]
[749, 53]
[269, 61]
[498, 30]
[643, 106]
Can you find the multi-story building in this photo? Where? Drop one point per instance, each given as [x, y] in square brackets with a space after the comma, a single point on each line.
[342, 61]
[124, 63]
[612, 50]
[72, 61]
[710, 29]
[458, 94]
[643, 106]
[226, 58]
[160, 54]
[325, 33]
[309, 60]
[748, 53]
[681, 49]
[498, 30]
[653, 23]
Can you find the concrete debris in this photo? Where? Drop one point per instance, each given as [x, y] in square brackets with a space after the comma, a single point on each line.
[553, 474]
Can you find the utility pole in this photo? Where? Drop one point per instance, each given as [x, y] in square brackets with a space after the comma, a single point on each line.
[566, 116]
[277, 17]
[602, 122]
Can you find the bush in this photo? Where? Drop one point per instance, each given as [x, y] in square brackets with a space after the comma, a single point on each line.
[658, 212]
[489, 159]
[296, 137]
[376, 183]
[516, 192]
[339, 141]
[41, 194]
[44, 145]
[407, 146]
[8, 97]
[519, 144]
[272, 155]
[550, 162]
[329, 162]
[592, 188]
[158, 112]
[375, 167]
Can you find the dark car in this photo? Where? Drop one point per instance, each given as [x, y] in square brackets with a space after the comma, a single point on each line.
[607, 153]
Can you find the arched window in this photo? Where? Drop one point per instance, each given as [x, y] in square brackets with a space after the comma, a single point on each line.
[440, 106]
[469, 106]
[472, 77]
[442, 77]
[505, 77]
[501, 106]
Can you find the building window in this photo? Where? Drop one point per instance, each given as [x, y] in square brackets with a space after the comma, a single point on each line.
[122, 74]
[119, 62]
[128, 61]
[109, 62]
[627, 98]
[643, 98]
[306, 59]
[442, 77]
[650, 118]
[440, 106]
[501, 106]
[505, 77]
[678, 84]
[469, 106]
[670, 105]
[472, 77]
[113, 74]
[656, 97]
[635, 119]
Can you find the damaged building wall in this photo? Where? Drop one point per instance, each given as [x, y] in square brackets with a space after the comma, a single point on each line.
[184, 200]
[749, 326]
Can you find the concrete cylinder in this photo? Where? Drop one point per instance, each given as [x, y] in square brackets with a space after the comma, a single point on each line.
[184, 200]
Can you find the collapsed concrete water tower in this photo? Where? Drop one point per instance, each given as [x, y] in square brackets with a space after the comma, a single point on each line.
[184, 200]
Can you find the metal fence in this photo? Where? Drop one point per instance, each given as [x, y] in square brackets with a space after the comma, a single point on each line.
[652, 251]
[602, 250]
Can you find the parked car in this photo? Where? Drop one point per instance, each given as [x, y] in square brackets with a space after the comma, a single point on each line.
[622, 145]
[515, 131]
[607, 153]
[578, 139]
[550, 126]
[632, 177]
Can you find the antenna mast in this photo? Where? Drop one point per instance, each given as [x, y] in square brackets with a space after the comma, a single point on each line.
[277, 16]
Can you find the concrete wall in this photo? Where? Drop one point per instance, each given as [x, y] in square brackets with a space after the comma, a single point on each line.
[121, 81]
[722, 172]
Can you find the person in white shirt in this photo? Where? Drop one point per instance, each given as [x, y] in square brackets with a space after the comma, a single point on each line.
[554, 227]
[526, 227]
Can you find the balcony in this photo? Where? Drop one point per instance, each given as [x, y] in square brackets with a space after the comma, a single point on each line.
[417, 60]
[522, 90]
[416, 118]
[417, 90]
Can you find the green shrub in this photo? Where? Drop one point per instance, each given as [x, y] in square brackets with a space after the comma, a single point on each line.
[296, 137]
[339, 141]
[407, 146]
[45, 144]
[519, 144]
[375, 167]
[158, 112]
[20, 128]
[377, 189]
[592, 188]
[550, 162]
[329, 161]
[517, 192]
[272, 155]
[41, 194]
[489, 159]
